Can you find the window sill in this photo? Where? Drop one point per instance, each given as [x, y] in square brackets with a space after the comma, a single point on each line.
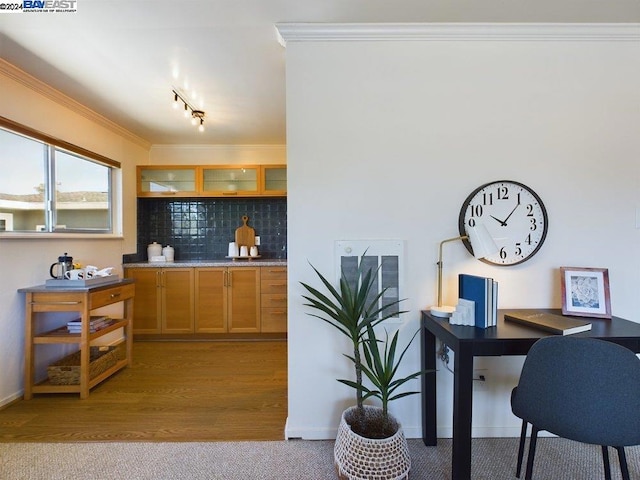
[49, 236]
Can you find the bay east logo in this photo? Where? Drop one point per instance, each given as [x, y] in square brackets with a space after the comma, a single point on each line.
[50, 6]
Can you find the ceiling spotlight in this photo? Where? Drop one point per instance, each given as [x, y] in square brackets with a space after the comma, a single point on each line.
[197, 116]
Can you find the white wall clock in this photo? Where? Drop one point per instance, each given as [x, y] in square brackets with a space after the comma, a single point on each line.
[513, 214]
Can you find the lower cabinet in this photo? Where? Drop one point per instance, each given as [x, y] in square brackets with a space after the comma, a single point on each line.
[166, 300]
[273, 284]
[177, 300]
[227, 300]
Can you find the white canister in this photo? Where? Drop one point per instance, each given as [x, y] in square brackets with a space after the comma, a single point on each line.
[154, 250]
[244, 252]
[253, 251]
[233, 249]
[168, 253]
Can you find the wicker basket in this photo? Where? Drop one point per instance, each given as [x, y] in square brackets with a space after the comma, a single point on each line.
[360, 458]
[66, 371]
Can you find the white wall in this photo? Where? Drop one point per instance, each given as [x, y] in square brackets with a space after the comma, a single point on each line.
[218, 155]
[26, 261]
[387, 138]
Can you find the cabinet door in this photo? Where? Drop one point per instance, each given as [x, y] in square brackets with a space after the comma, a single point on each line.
[177, 300]
[167, 181]
[146, 307]
[210, 300]
[274, 180]
[231, 181]
[244, 299]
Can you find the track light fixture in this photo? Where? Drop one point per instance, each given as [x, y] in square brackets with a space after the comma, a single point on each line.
[196, 115]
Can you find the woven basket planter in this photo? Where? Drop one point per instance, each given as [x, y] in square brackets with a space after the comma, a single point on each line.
[360, 458]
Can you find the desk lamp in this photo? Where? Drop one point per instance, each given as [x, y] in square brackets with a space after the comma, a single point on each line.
[482, 245]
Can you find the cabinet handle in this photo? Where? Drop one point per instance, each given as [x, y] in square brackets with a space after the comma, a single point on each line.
[230, 279]
[278, 284]
[278, 312]
[229, 193]
[115, 295]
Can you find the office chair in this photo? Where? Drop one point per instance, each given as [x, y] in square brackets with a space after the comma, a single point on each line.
[581, 389]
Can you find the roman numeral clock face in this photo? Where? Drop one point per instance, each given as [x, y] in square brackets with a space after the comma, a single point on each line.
[513, 214]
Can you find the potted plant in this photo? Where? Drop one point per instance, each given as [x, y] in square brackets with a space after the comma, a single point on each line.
[370, 441]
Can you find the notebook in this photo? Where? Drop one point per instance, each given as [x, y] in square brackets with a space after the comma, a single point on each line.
[549, 322]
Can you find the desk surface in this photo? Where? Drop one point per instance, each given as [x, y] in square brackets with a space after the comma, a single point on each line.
[509, 338]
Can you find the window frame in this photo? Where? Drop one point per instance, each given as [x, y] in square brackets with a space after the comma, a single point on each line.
[54, 145]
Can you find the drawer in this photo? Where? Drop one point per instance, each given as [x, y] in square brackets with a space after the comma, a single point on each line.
[274, 273]
[274, 320]
[111, 295]
[273, 287]
[274, 300]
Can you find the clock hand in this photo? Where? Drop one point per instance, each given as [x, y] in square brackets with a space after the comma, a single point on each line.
[504, 224]
[498, 220]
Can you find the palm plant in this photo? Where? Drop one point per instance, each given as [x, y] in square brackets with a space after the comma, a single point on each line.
[350, 309]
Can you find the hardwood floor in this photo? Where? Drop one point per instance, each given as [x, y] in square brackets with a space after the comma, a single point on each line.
[174, 391]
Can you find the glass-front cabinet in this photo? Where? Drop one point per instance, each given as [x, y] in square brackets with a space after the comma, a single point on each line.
[164, 181]
[212, 180]
[231, 180]
[274, 179]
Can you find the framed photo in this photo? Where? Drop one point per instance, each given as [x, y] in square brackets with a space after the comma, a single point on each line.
[585, 292]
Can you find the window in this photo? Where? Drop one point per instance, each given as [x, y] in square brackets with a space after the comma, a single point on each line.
[51, 186]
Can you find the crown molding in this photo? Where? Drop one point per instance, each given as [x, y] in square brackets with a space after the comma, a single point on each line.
[45, 90]
[223, 147]
[472, 32]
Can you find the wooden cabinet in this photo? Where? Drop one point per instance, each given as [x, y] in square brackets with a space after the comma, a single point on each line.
[211, 180]
[274, 180]
[243, 297]
[222, 181]
[210, 300]
[166, 299]
[273, 285]
[177, 181]
[42, 301]
[227, 300]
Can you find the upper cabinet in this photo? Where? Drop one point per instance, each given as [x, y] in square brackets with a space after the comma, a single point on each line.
[274, 179]
[212, 180]
[230, 181]
[167, 181]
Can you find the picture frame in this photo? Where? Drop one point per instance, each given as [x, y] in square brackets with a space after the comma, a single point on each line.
[585, 292]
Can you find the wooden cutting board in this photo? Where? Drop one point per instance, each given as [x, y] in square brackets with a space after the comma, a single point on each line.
[245, 235]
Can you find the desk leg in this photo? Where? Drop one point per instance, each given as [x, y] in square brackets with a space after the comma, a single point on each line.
[428, 343]
[462, 405]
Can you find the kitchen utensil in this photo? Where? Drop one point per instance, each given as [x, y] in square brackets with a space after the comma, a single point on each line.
[64, 264]
[245, 235]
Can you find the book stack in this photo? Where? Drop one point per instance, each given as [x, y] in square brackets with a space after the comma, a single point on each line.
[95, 323]
[480, 296]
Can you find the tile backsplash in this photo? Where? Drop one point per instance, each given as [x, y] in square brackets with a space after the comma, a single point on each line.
[201, 228]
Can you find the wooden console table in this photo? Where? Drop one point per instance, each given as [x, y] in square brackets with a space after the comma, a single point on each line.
[42, 300]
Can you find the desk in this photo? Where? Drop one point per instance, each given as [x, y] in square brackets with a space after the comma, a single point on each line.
[468, 342]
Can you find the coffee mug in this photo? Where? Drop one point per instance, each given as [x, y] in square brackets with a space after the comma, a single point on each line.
[77, 274]
[244, 252]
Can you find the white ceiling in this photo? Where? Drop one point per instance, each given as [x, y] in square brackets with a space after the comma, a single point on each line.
[121, 58]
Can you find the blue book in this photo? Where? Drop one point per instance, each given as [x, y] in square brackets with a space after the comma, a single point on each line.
[472, 287]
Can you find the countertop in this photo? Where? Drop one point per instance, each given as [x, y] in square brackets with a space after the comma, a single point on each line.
[225, 262]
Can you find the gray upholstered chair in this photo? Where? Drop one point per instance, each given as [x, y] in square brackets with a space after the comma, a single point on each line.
[581, 389]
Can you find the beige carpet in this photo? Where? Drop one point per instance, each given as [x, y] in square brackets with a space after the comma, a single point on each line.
[557, 459]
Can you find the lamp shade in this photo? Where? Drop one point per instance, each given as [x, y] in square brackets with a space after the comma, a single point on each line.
[481, 241]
